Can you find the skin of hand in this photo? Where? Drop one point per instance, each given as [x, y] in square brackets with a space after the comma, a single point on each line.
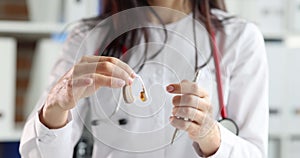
[83, 80]
[192, 112]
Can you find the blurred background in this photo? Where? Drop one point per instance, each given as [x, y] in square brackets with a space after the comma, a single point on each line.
[30, 40]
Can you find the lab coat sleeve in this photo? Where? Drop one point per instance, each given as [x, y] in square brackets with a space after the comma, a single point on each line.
[248, 100]
[39, 141]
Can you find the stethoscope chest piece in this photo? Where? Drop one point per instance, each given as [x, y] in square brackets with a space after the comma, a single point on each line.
[230, 125]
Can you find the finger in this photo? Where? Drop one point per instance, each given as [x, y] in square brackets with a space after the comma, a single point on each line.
[182, 124]
[106, 81]
[188, 100]
[110, 69]
[118, 62]
[189, 114]
[98, 80]
[104, 68]
[86, 85]
[187, 87]
[194, 130]
[82, 82]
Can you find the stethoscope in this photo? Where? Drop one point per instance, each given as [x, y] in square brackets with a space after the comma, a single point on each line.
[224, 120]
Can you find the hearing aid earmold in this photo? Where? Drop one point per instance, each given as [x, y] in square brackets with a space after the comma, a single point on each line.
[128, 96]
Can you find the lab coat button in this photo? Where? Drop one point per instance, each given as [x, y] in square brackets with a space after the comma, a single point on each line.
[123, 121]
[47, 138]
[95, 122]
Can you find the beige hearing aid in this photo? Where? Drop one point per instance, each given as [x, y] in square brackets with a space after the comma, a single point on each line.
[128, 96]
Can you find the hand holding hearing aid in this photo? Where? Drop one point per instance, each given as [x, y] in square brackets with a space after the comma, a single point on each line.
[83, 80]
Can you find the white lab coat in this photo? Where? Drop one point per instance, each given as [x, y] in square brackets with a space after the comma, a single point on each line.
[245, 82]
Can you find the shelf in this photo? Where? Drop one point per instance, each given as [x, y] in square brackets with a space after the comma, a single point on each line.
[292, 41]
[26, 27]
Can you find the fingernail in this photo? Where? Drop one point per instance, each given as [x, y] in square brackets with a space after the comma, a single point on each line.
[133, 75]
[130, 81]
[170, 88]
[121, 83]
[88, 81]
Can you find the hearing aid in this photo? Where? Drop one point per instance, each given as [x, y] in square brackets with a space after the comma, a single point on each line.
[127, 92]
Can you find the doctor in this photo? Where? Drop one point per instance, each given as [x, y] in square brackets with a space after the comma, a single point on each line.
[79, 79]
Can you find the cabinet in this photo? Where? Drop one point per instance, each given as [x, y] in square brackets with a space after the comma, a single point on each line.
[294, 15]
[32, 40]
[7, 92]
[46, 53]
[275, 18]
[284, 129]
[13, 35]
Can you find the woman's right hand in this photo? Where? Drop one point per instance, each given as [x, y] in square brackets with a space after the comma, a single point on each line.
[83, 80]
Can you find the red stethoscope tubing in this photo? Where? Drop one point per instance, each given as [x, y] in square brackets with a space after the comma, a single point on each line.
[218, 77]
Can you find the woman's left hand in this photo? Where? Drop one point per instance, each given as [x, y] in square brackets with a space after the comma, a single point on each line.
[192, 112]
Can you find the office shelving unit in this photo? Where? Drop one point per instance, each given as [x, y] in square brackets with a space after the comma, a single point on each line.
[45, 22]
[25, 27]
[7, 69]
[10, 33]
